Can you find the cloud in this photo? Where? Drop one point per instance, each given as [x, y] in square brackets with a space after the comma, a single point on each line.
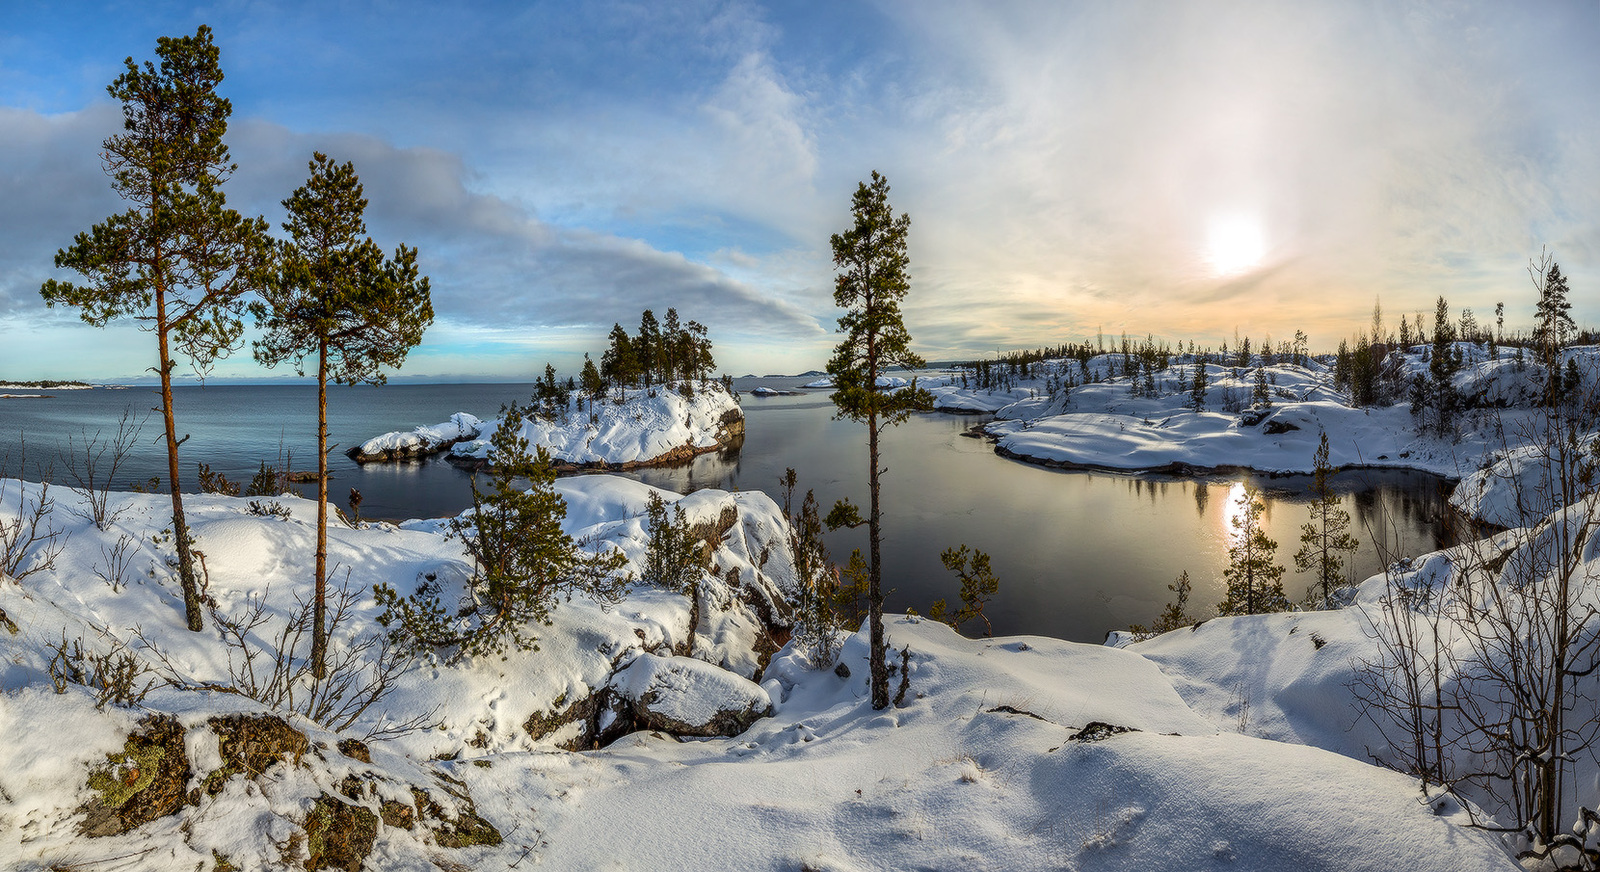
[492, 262]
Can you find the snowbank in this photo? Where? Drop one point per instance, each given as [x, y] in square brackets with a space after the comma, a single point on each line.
[1217, 748]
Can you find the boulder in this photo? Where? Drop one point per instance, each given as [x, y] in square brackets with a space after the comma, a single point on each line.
[681, 696]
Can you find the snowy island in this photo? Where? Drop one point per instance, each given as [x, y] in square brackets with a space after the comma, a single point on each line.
[661, 425]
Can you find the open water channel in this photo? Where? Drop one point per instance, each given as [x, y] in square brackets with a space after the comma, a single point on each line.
[1077, 553]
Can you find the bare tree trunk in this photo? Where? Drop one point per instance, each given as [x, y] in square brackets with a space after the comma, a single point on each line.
[319, 632]
[180, 530]
[879, 666]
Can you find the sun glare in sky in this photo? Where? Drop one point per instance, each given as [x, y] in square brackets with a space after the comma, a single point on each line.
[1234, 244]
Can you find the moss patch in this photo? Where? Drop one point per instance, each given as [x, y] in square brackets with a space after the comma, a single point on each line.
[339, 835]
[251, 743]
[143, 782]
[461, 831]
[355, 749]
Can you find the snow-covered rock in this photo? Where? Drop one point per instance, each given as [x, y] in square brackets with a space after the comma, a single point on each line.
[685, 697]
[420, 442]
[1525, 485]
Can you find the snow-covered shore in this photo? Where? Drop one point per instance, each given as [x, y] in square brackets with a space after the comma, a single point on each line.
[1103, 425]
[666, 424]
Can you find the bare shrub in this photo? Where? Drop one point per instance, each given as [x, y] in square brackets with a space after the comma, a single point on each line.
[92, 464]
[30, 541]
[269, 509]
[117, 559]
[274, 668]
[116, 676]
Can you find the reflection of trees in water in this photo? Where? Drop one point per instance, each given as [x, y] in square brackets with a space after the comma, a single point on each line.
[1202, 495]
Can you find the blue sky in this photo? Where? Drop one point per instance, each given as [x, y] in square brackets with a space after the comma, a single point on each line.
[1182, 169]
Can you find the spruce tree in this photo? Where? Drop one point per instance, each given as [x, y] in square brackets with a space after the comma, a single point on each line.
[1326, 536]
[1255, 580]
[593, 385]
[871, 257]
[178, 261]
[1197, 393]
[336, 298]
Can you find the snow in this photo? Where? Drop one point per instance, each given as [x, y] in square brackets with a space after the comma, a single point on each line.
[1239, 743]
[1101, 425]
[650, 427]
[980, 768]
[686, 690]
[423, 440]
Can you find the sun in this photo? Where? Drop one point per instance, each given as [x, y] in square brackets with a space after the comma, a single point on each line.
[1235, 244]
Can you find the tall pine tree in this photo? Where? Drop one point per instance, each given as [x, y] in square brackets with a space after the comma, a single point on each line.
[178, 261]
[336, 298]
[871, 258]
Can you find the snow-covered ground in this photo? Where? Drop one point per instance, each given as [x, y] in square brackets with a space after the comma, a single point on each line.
[1240, 743]
[1103, 425]
[1018, 753]
[661, 425]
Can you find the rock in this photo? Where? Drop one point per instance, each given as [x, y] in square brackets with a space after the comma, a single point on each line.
[461, 830]
[581, 712]
[684, 697]
[339, 835]
[250, 743]
[355, 749]
[144, 782]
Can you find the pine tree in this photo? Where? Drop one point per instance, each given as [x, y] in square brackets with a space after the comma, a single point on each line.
[1197, 393]
[872, 259]
[674, 348]
[1552, 322]
[523, 561]
[819, 612]
[179, 261]
[1260, 395]
[675, 558]
[978, 584]
[1327, 534]
[1255, 580]
[1175, 616]
[1443, 363]
[335, 297]
[593, 385]
[647, 350]
[618, 364]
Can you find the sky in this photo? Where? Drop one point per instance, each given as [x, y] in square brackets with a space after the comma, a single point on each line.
[1188, 170]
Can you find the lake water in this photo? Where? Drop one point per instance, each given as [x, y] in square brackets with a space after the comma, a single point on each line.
[1076, 553]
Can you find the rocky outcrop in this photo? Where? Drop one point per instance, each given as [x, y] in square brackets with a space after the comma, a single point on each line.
[150, 779]
[143, 782]
[680, 696]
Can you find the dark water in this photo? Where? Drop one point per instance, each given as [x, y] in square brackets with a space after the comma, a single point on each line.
[1076, 553]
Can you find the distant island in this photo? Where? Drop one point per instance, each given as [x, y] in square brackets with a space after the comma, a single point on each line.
[46, 384]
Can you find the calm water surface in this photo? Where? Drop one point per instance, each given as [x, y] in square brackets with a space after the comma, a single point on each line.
[1076, 553]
